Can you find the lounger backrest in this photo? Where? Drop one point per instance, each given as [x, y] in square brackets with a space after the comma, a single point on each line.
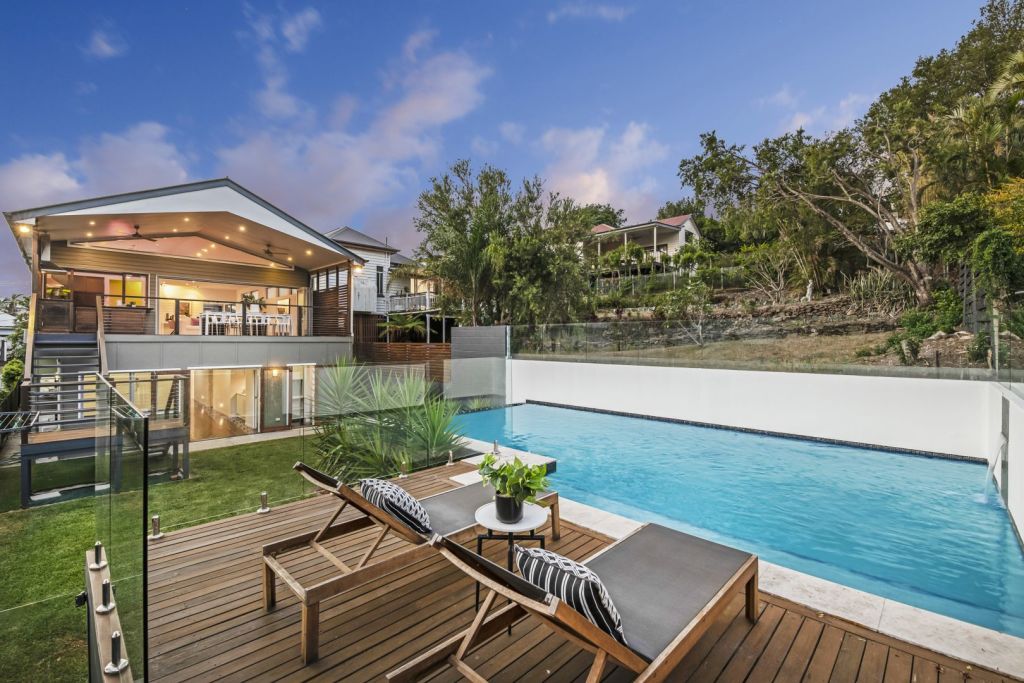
[356, 500]
[494, 572]
[560, 616]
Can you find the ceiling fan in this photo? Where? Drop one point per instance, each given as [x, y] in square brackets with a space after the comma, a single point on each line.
[136, 235]
[271, 252]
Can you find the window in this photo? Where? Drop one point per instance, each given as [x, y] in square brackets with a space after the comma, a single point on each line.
[380, 281]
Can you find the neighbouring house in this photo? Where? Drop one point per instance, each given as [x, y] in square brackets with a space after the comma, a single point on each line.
[204, 280]
[7, 324]
[378, 293]
[659, 238]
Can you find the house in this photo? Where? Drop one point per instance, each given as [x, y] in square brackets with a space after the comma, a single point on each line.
[659, 238]
[7, 325]
[205, 280]
[388, 283]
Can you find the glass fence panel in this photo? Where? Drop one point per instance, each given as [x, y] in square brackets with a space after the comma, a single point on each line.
[121, 465]
[770, 345]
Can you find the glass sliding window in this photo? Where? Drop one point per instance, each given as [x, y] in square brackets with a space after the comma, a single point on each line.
[224, 402]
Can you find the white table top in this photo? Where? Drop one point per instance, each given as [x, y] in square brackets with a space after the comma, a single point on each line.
[533, 517]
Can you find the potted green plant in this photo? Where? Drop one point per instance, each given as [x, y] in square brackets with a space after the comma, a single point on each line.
[514, 483]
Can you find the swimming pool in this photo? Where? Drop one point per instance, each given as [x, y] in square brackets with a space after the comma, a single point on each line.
[924, 531]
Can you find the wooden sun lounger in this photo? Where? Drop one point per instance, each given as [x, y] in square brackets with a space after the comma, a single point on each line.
[669, 588]
[451, 515]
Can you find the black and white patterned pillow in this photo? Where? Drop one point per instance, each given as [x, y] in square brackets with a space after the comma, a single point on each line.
[574, 584]
[397, 501]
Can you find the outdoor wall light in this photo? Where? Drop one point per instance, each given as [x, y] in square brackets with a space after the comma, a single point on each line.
[24, 228]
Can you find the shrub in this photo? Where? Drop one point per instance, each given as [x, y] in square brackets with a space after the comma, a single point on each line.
[881, 290]
[12, 373]
[977, 350]
[949, 309]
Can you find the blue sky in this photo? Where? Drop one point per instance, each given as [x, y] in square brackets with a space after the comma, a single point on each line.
[340, 113]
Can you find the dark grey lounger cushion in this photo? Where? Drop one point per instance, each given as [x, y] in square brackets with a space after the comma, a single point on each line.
[660, 580]
[574, 584]
[395, 500]
[455, 510]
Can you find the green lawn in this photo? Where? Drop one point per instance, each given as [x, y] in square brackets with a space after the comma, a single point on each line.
[41, 561]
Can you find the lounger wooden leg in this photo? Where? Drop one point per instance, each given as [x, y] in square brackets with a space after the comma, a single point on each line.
[597, 668]
[269, 587]
[310, 632]
[752, 598]
[556, 520]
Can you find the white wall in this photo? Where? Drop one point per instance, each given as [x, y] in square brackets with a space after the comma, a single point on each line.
[1015, 455]
[364, 282]
[942, 416]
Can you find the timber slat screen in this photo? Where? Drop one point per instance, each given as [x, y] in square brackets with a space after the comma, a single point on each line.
[207, 621]
[435, 356]
[332, 301]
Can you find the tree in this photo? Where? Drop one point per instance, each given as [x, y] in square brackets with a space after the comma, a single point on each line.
[503, 256]
[596, 214]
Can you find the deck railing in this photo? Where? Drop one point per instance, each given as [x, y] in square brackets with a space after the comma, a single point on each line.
[118, 314]
[403, 303]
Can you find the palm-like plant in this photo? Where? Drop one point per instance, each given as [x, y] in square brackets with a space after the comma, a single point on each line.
[381, 422]
[402, 326]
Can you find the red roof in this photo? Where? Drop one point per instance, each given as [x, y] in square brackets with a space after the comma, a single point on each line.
[675, 221]
[601, 227]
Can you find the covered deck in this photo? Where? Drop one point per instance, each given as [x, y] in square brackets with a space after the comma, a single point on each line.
[207, 621]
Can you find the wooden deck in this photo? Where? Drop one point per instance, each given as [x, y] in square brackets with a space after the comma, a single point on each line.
[207, 620]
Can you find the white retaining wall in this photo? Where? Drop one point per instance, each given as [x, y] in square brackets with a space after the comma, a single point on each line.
[1014, 483]
[941, 416]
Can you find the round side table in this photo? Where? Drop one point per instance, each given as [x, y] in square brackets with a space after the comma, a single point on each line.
[525, 529]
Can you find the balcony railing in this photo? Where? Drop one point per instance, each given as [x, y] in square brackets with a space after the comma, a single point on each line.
[403, 303]
[187, 317]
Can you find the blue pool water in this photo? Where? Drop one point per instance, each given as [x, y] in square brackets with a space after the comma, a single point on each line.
[924, 531]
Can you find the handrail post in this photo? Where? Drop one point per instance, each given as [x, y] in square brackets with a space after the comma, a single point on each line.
[298, 326]
[177, 317]
[244, 325]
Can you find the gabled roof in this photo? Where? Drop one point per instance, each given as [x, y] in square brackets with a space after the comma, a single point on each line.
[353, 238]
[400, 260]
[675, 220]
[673, 223]
[87, 205]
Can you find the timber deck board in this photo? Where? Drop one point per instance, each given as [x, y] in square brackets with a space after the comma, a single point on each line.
[207, 621]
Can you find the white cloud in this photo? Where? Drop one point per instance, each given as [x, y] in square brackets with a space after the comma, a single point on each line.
[85, 88]
[296, 29]
[274, 100]
[589, 166]
[137, 158]
[328, 174]
[850, 108]
[483, 147]
[104, 44]
[512, 132]
[583, 10]
[417, 42]
[817, 119]
[783, 97]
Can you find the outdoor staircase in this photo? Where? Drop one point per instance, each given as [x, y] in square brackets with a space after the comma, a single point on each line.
[68, 362]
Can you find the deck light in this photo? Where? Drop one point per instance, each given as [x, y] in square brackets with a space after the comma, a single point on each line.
[227, 237]
[241, 228]
[309, 252]
[24, 228]
[174, 230]
[212, 245]
[199, 253]
[92, 222]
[186, 219]
[289, 258]
[88, 234]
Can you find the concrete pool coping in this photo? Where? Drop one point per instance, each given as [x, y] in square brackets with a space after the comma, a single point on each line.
[954, 638]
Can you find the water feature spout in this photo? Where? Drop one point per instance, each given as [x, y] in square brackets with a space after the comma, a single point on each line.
[999, 454]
